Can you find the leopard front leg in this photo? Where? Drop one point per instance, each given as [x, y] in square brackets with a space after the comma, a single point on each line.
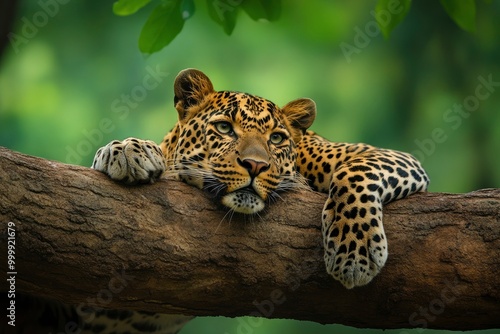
[353, 234]
[130, 161]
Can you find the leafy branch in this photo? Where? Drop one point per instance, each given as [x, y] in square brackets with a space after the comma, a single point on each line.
[168, 17]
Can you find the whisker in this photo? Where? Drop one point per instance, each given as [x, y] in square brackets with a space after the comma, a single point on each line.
[260, 217]
[189, 169]
[293, 182]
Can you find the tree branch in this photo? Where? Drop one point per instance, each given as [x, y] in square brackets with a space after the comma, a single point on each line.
[166, 247]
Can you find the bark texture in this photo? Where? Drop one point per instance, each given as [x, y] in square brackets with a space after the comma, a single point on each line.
[166, 247]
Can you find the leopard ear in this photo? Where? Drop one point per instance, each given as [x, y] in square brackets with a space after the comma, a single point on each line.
[190, 88]
[300, 114]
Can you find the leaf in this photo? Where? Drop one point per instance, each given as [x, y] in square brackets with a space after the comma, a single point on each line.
[463, 12]
[187, 9]
[389, 13]
[164, 23]
[224, 13]
[128, 7]
[262, 9]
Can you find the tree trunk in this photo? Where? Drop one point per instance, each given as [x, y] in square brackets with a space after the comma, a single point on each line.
[166, 247]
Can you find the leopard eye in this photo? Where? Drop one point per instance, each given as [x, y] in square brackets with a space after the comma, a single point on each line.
[224, 127]
[277, 138]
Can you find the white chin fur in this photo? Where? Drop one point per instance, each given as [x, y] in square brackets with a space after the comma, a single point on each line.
[243, 202]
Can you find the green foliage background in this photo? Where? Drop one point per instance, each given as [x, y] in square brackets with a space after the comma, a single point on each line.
[64, 90]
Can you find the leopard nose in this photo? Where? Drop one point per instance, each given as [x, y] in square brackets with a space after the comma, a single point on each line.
[253, 167]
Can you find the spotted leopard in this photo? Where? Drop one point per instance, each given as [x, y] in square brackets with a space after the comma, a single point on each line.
[244, 150]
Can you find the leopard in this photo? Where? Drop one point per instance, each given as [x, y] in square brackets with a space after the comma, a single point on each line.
[244, 150]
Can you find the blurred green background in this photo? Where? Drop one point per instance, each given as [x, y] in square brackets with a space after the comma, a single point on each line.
[78, 80]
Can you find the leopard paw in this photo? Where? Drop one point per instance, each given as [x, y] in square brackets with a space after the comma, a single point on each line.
[130, 161]
[355, 252]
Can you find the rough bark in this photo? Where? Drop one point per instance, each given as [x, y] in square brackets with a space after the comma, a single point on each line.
[166, 247]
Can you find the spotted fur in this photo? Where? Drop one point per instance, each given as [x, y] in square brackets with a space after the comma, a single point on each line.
[42, 315]
[245, 150]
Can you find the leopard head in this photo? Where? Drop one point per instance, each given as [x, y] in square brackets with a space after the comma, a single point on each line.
[239, 147]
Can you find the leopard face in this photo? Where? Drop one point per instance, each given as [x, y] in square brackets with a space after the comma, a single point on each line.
[239, 147]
